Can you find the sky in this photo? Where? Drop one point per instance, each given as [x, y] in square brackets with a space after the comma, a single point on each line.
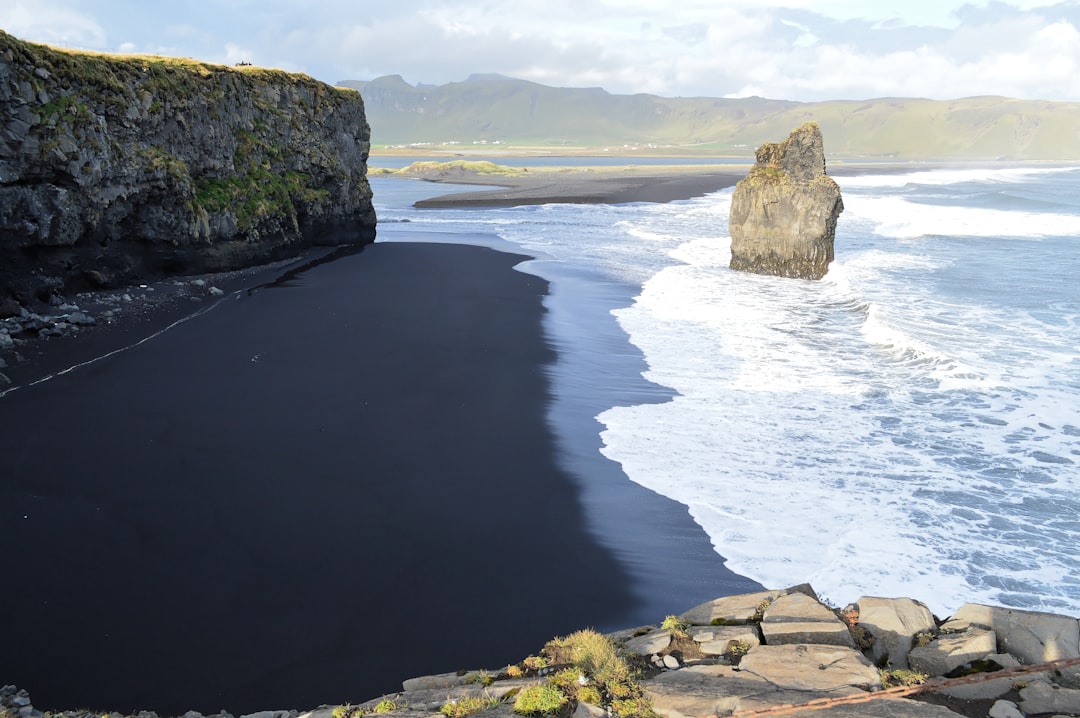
[804, 50]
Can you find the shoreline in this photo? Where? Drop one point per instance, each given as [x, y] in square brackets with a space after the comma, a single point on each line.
[591, 186]
[207, 494]
[617, 184]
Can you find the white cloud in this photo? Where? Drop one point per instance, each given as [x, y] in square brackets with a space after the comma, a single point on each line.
[788, 49]
[53, 23]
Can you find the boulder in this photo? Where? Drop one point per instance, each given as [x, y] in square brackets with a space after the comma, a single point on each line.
[783, 213]
[429, 700]
[797, 618]
[718, 640]
[894, 623]
[703, 690]
[652, 642]
[838, 668]
[818, 632]
[730, 609]
[584, 710]
[1032, 636]
[440, 680]
[987, 690]
[625, 634]
[1039, 697]
[1005, 709]
[948, 653]
[720, 690]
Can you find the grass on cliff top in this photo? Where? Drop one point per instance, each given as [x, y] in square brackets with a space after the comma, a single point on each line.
[105, 67]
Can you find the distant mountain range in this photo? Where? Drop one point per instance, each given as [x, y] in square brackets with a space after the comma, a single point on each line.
[492, 109]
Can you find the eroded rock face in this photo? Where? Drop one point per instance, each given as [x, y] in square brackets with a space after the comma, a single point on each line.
[783, 214]
[117, 168]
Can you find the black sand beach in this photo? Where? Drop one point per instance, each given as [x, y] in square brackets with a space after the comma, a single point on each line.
[608, 186]
[309, 493]
[611, 185]
[284, 496]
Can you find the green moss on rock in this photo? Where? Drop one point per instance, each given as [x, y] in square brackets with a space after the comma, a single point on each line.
[144, 165]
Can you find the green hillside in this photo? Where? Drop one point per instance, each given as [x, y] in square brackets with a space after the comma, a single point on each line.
[489, 109]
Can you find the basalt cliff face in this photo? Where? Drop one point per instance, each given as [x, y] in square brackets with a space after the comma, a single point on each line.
[783, 214]
[119, 168]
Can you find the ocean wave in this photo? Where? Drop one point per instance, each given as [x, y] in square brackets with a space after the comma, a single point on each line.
[902, 218]
[951, 176]
[822, 428]
[903, 426]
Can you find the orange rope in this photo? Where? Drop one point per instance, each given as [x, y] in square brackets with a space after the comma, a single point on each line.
[900, 691]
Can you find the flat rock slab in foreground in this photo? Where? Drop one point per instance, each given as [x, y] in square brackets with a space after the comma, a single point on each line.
[719, 660]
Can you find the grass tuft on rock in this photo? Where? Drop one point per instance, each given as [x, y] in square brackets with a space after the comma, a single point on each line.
[540, 700]
[600, 666]
[902, 677]
[676, 626]
[467, 706]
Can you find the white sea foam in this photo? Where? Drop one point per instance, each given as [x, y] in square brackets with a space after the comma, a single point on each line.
[803, 462]
[904, 218]
[943, 177]
[861, 432]
[910, 425]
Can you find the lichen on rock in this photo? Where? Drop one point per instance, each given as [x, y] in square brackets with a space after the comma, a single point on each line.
[116, 168]
[783, 213]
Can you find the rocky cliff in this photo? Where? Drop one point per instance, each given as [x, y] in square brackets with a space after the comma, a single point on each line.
[115, 168]
[783, 213]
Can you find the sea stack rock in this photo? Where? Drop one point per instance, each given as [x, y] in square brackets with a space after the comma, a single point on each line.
[783, 213]
[116, 168]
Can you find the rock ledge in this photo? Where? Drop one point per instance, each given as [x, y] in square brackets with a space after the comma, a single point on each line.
[717, 658]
